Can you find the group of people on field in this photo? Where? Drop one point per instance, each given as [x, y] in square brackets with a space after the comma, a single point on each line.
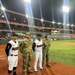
[26, 47]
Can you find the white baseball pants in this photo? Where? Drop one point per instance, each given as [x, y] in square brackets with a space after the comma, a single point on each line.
[38, 56]
[12, 62]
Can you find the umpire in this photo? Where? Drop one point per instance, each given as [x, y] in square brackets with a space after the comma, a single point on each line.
[25, 48]
[12, 54]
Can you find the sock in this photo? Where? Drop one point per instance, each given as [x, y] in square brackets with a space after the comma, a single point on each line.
[9, 72]
[14, 71]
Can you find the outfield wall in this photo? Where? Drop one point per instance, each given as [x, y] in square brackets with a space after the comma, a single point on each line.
[3, 41]
[62, 36]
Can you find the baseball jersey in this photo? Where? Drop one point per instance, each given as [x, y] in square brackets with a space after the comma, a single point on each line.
[12, 48]
[38, 45]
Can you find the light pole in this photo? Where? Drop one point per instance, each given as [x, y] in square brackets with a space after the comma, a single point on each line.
[53, 22]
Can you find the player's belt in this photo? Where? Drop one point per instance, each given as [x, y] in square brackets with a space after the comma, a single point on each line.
[13, 55]
[38, 51]
[39, 45]
[16, 48]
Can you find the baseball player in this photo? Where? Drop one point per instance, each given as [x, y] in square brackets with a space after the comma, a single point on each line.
[37, 48]
[25, 48]
[12, 54]
[46, 46]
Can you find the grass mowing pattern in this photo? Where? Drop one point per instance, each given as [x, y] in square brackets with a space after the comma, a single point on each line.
[63, 51]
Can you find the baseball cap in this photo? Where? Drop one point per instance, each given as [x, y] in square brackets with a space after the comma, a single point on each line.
[39, 35]
[13, 34]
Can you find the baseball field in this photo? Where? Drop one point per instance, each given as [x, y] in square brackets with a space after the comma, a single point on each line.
[63, 51]
[62, 59]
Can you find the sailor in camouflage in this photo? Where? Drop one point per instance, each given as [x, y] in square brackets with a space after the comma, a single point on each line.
[25, 48]
[46, 44]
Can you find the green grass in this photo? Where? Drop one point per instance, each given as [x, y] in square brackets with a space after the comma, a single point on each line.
[63, 53]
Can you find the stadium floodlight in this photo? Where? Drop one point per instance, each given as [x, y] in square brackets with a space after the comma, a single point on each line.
[27, 16]
[3, 8]
[55, 31]
[53, 22]
[72, 25]
[59, 23]
[29, 1]
[24, 21]
[68, 24]
[42, 19]
[65, 9]
[2, 16]
[14, 18]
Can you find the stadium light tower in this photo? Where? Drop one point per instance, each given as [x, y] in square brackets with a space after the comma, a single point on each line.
[66, 9]
[29, 1]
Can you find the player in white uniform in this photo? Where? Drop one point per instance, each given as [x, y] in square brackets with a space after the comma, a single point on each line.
[12, 54]
[37, 48]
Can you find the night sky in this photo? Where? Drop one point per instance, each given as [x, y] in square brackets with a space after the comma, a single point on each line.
[50, 9]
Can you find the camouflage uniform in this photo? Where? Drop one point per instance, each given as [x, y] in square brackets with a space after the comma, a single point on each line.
[46, 46]
[26, 50]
